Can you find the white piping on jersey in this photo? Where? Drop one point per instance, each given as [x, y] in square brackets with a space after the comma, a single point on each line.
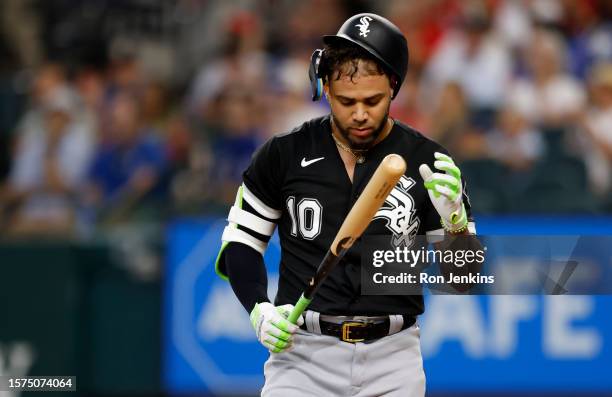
[252, 221]
[259, 205]
[231, 234]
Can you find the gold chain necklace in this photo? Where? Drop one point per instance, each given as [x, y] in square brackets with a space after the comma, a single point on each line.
[358, 154]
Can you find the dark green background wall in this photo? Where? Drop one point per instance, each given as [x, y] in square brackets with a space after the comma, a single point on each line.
[83, 315]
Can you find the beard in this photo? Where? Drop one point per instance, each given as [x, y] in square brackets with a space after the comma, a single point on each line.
[358, 143]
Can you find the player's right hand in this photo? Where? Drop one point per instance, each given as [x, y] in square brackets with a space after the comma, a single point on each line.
[273, 329]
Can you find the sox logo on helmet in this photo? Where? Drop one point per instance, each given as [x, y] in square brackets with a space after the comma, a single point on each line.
[363, 26]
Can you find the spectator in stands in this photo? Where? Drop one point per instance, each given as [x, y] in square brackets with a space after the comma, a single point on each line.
[234, 139]
[124, 73]
[91, 86]
[408, 107]
[513, 23]
[478, 60]
[469, 60]
[49, 79]
[449, 121]
[514, 141]
[590, 34]
[49, 168]
[424, 23]
[553, 96]
[128, 168]
[291, 102]
[191, 177]
[597, 125]
[155, 106]
[12, 100]
[244, 62]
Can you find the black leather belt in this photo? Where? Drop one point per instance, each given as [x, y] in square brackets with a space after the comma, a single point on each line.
[360, 331]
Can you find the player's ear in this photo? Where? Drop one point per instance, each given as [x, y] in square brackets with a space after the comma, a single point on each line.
[326, 91]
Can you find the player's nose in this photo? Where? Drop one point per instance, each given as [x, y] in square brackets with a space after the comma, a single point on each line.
[360, 113]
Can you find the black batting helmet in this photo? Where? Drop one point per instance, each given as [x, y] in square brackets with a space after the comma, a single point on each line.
[375, 34]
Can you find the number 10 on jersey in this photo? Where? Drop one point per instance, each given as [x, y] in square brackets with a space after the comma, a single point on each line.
[305, 217]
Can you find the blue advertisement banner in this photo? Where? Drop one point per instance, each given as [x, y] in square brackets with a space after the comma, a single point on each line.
[209, 343]
[469, 343]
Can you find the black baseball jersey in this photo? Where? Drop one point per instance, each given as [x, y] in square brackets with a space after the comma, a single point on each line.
[298, 182]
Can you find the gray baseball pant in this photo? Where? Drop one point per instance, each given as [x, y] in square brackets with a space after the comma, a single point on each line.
[321, 366]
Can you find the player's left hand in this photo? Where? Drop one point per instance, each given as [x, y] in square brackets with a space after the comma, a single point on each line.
[446, 192]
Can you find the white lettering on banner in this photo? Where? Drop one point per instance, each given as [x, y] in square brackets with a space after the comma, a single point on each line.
[506, 312]
[453, 318]
[462, 319]
[222, 315]
[16, 359]
[561, 339]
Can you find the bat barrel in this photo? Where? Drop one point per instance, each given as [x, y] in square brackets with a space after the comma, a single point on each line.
[389, 171]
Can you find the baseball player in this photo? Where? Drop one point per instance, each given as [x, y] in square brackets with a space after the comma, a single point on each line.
[304, 182]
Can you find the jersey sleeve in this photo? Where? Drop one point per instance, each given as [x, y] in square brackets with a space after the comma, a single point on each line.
[263, 177]
[256, 210]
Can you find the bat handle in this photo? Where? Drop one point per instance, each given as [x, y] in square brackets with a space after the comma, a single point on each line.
[299, 308]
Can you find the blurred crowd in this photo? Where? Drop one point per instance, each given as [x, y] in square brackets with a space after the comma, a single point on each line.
[144, 111]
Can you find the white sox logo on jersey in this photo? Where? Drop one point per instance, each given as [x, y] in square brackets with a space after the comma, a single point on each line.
[399, 212]
[363, 26]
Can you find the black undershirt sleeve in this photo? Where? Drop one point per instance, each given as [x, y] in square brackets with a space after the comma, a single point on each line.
[247, 274]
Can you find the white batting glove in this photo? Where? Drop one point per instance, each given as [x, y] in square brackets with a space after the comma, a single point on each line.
[273, 329]
[446, 192]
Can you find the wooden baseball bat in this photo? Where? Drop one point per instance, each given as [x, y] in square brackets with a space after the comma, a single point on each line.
[389, 171]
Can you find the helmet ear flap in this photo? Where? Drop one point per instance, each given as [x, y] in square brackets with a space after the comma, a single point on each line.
[316, 80]
[394, 86]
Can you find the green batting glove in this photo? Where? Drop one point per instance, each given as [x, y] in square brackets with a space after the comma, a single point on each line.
[273, 329]
[446, 191]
